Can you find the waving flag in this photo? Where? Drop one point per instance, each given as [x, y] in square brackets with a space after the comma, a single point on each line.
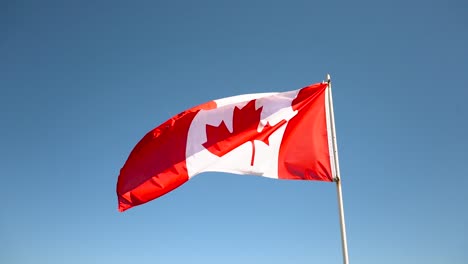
[277, 135]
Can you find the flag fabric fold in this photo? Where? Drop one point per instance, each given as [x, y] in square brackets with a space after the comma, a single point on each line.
[277, 135]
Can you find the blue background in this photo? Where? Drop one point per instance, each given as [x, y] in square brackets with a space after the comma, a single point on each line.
[82, 81]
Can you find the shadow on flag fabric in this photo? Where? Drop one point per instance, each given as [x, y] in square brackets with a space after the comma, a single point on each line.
[283, 135]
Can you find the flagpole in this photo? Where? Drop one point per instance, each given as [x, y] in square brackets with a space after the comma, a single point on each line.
[337, 179]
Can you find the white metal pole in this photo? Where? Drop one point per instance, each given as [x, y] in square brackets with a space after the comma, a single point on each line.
[344, 243]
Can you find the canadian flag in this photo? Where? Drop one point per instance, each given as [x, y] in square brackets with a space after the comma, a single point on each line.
[277, 135]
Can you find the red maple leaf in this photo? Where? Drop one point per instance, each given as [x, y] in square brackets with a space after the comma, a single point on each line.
[244, 128]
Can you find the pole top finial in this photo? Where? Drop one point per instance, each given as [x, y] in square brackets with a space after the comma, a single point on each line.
[328, 78]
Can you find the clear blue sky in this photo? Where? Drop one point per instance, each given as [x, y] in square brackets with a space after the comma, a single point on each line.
[81, 82]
